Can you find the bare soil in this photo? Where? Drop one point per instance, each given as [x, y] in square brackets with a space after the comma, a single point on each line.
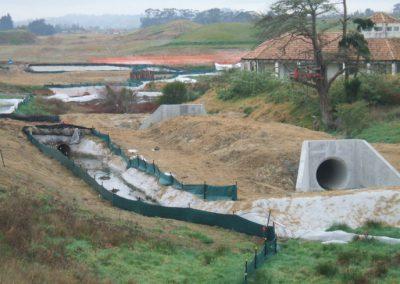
[220, 149]
[17, 76]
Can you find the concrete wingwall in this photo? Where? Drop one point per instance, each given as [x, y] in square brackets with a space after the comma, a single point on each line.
[343, 164]
[165, 112]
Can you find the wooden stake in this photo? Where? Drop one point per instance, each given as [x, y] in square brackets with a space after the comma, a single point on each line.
[2, 159]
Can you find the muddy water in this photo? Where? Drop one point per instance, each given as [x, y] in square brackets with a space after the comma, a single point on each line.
[91, 93]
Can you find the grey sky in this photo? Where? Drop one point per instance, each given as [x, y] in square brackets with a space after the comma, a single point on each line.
[28, 9]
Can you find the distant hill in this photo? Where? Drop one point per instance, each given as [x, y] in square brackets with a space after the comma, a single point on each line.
[170, 30]
[220, 33]
[90, 21]
[16, 37]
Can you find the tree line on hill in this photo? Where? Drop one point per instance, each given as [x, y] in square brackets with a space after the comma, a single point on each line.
[157, 16]
[36, 27]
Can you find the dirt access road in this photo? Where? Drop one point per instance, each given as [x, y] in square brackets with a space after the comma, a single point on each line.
[17, 76]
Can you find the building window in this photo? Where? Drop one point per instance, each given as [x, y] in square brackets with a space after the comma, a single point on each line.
[378, 29]
[396, 29]
[389, 29]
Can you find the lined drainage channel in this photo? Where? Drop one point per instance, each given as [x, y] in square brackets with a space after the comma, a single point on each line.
[105, 167]
[110, 171]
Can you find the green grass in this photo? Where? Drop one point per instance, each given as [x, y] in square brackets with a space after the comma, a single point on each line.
[9, 96]
[159, 263]
[185, 231]
[371, 228]
[15, 89]
[16, 37]
[41, 236]
[222, 33]
[311, 262]
[166, 31]
[34, 107]
[384, 132]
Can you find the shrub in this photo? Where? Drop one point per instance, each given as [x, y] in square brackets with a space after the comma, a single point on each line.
[339, 227]
[380, 89]
[248, 110]
[327, 269]
[353, 118]
[246, 84]
[174, 93]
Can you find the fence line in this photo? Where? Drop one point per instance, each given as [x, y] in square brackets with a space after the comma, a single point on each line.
[207, 192]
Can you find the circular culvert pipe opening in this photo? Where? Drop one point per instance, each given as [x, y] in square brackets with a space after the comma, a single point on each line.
[331, 174]
[64, 149]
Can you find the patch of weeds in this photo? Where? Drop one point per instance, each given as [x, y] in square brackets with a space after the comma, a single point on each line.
[339, 227]
[208, 257]
[327, 269]
[346, 258]
[221, 250]
[248, 110]
[201, 237]
[261, 277]
[354, 275]
[185, 231]
[379, 270]
[165, 246]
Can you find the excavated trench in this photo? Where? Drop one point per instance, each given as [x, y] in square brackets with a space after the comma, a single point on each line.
[90, 153]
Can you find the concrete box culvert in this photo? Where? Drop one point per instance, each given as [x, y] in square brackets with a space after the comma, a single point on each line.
[343, 164]
[165, 112]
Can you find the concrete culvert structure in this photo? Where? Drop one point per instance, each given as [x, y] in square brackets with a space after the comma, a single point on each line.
[64, 149]
[343, 164]
[331, 174]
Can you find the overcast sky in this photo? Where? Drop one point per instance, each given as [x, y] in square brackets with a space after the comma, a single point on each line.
[29, 9]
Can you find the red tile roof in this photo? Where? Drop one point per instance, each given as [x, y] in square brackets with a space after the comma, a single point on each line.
[383, 18]
[288, 47]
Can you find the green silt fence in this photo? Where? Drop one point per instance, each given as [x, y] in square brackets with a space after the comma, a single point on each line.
[227, 221]
[207, 192]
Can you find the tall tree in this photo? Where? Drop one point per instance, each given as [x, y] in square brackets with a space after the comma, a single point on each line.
[6, 23]
[299, 19]
[39, 27]
[396, 9]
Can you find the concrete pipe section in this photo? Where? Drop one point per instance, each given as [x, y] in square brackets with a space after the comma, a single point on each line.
[343, 164]
[331, 174]
[64, 149]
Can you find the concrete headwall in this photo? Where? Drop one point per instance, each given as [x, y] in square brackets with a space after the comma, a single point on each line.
[165, 112]
[343, 164]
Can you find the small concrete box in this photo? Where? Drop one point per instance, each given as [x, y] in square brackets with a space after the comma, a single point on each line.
[343, 164]
[165, 112]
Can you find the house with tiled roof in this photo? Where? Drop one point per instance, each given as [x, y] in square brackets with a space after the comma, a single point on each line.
[286, 53]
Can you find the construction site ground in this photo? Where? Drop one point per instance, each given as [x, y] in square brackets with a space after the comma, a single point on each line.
[26, 168]
[219, 149]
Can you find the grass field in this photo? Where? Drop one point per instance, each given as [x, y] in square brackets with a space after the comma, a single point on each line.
[55, 228]
[385, 132]
[179, 37]
[360, 261]
[16, 37]
[219, 34]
